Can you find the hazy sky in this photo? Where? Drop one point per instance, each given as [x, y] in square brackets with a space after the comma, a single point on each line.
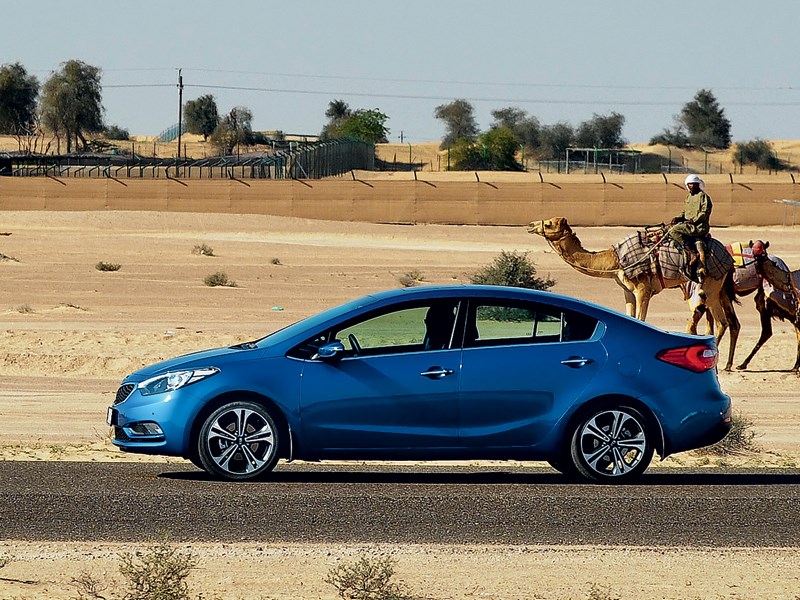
[559, 60]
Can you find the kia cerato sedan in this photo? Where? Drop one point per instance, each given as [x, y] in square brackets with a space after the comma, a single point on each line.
[435, 373]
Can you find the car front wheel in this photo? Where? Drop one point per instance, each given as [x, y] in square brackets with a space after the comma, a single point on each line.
[238, 441]
[612, 445]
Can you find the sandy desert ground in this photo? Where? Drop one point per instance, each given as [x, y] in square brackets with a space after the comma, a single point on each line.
[69, 333]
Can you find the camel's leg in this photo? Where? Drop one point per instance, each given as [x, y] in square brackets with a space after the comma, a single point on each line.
[643, 295]
[630, 299]
[796, 368]
[694, 320]
[697, 314]
[728, 319]
[766, 330]
[722, 310]
[709, 323]
[630, 304]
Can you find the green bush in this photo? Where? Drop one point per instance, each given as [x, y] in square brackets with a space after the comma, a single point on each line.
[512, 269]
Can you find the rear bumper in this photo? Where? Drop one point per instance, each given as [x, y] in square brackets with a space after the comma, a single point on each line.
[700, 429]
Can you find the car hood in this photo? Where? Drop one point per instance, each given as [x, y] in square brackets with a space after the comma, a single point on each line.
[215, 357]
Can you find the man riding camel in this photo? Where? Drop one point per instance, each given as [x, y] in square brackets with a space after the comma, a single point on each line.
[692, 225]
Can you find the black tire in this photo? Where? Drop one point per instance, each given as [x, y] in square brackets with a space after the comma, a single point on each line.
[564, 465]
[612, 445]
[238, 441]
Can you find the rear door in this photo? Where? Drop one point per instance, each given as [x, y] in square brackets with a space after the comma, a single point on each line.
[523, 365]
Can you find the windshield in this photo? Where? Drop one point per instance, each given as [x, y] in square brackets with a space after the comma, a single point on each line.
[312, 322]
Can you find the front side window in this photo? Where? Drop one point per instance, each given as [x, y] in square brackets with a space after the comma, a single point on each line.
[414, 328]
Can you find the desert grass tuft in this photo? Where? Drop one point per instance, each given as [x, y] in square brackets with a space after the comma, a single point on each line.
[411, 279]
[157, 573]
[367, 578]
[107, 266]
[741, 439]
[219, 279]
[203, 250]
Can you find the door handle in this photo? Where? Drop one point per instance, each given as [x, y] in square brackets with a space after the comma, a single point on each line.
[437, 372]
[576, 362]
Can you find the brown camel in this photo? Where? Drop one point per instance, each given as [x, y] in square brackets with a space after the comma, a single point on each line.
[718, 293]
[768, 307]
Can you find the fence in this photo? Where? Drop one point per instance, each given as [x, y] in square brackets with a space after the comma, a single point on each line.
[504, 200]
[298, 161]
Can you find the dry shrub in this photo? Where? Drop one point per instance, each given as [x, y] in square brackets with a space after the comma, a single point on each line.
[203, 250]
[741, 439]
[157, 573]
[219, 279]
[411, 278]
[367, 578]
[107, 266]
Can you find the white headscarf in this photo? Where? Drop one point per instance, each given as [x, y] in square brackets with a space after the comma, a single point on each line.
[694, 179]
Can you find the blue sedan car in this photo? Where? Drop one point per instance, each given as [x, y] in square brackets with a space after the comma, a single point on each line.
[435, 373]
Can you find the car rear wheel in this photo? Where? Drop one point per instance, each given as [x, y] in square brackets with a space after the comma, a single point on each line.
[564, 465]
[238, 441]
[612, 445]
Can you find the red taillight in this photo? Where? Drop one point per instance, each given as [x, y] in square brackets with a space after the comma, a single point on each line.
[695, 358]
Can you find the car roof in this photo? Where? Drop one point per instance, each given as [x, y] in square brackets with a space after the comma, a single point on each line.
[461, 290]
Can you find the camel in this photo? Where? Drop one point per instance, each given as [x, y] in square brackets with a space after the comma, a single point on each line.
[768, 307]
[718, 293]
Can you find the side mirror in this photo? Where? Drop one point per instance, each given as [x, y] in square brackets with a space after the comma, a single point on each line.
[331, 351]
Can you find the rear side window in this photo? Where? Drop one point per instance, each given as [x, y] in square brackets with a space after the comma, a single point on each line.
[492, 322]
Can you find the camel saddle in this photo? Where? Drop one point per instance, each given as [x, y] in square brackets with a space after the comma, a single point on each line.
[653, 252]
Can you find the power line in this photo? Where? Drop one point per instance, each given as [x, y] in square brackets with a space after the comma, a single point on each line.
[502, 83]
[474, 99]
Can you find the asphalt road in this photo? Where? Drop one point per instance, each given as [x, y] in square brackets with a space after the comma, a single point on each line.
[73, 501]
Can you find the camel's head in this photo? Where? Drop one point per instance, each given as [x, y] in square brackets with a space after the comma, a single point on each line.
[550, 229]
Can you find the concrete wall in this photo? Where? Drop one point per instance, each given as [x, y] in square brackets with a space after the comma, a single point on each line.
[468, 199]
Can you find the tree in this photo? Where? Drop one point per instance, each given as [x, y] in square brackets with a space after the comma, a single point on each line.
[526, 128]
[494, 150]
[601, 132]
[757, 152]
[338, 109]
[705, 121]
[366, 125]
[18, 93]
[72, 102]
[234, 129]
[459, 120]
[201, 116]
[676, 136]
[115, 132]
[555, 139]
[338, 112]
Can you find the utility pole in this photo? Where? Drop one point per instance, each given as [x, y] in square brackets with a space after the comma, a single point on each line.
[180, 109]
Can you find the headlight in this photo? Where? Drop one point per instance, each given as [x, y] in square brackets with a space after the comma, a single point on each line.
[169, 382]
